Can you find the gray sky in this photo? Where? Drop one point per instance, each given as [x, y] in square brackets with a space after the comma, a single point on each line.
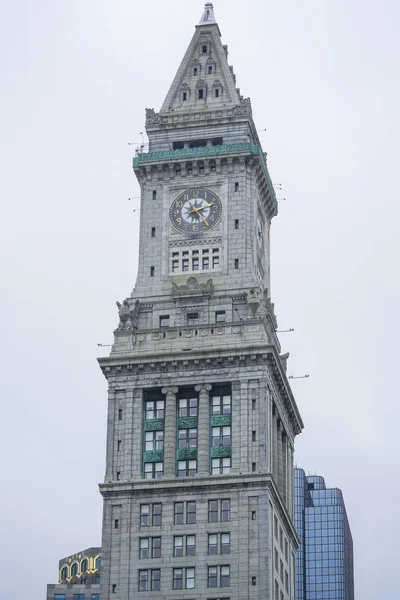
[76, 76]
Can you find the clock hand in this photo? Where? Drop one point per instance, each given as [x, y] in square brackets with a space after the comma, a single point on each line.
[196, 210]
[200, 207]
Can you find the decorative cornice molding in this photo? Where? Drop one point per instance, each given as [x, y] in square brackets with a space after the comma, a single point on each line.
[192, 287]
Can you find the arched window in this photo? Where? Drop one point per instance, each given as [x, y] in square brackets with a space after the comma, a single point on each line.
[185, 93]
[196, 68]
[74, 569]
[98, 562]
[217, 89]
[64, 573]
[211, 67]
[84, 565]
[201, 90]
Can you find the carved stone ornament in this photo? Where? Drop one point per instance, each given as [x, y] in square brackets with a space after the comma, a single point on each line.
[254, 297]
[244, 108]
[284, 359]
[192, 286]
[128, 317]
[152, 118]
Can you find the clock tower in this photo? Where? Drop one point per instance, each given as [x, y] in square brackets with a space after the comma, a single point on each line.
[198, 490]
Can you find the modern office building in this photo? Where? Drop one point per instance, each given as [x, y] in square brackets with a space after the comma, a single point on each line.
[324, 561]
[198, 490]
[79, 577]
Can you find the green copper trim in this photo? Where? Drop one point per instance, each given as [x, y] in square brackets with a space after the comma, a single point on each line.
[187, 423]
[220, 420]
[171, 155]
[153, 456]
[221, 451]
[186, 453]
[154, 425]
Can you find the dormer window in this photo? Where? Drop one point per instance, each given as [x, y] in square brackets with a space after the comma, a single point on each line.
[217, 89]
[216, 92]
[204, 48]
[201, 94]
[195, 71]
[184, 96]
[210, 69]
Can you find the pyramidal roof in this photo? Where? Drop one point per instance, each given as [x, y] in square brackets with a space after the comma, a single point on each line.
[204, 79]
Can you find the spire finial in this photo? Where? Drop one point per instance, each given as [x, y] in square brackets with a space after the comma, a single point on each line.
[208, 14]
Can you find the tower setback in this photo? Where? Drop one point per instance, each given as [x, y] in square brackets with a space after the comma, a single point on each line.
[198, 490]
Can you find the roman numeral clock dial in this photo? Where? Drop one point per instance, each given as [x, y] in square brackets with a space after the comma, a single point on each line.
[195, 211]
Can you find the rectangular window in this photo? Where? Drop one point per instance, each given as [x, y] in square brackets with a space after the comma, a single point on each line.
[253, 436]
[164, 321]
[144, 515]
[178, 545]
[236, 263]
[191, 512]
[254, 581]
[188, 407]
[212, 578]
[221, 405]
[178, 513]
[281, 570]
[210, 70]
[236, 223]
[215, 262]
[119, 445]
[190, 578]
[177, 579]
[192, 318]
[187, 468]
[154, 440]
[153, 470]
[120, 414]
[184, 96]
[204, 49]
[220, 316]
[190, 545]
[79, 596]
[212, 543]
[201, 94]
[187, 438]
[154, 409]
[218, 576]
[253, 467]
[116, 523]
[59, 596]
[216, 91]
[225, 510]
[144, 548]
[143, 581]
[156, 514]
[195, 263]
[225, 543]
[221, 436]
[95, 597]
[236, 186]
[213, 511]
[153, 232]
[155, 547]
[220, 466]
[225, 579]
[155, 579]
[206, 263]
[253, 515]
[175, 266]
[154, 194]
[118, 475]
[253, 404]
[151, 271]
[195, 71]
[185, 264]
[219, 510]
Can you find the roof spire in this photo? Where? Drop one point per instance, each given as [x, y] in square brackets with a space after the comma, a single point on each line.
[208, 15]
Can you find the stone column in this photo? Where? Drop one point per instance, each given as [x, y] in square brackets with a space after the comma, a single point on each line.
[203, 429]
[170, 431]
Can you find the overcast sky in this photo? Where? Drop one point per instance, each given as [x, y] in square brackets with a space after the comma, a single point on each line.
[76, 76]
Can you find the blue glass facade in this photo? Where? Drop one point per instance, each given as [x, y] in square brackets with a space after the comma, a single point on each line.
[324, 560]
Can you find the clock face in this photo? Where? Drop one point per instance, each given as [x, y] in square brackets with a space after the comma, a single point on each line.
[196, 211]
[260, 234]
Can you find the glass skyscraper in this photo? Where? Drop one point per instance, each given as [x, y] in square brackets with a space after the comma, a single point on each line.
[324, 560]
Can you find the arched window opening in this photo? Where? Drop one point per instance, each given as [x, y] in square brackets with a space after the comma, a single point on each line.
[74, 569]
[98, 562]
[84, 565]
[64, 573]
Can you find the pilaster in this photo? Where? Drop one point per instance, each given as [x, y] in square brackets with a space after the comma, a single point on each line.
[203, 431]
[170, 431]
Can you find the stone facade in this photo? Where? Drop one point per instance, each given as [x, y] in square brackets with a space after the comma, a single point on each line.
[201, 418]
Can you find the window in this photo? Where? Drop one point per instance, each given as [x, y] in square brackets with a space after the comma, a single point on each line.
[187, 468]
[116, 526]
[83, 581]
[195, 71]
[164, 321]
[183, 578]
[253, 404]
[155, 547]
[219, 543]
[177, 579]
[236, 186]
[253, 515]
[236, 263]
[187, 438]
[153, 232]
[98, 562]
[276, 561]
[178, 513]
[236, 223]
[190, 545]
[216, 92]
[276, 590]
[218, 576]
[120, 414]
[210, 70]
[59, 596]
[190, 512]
[195, 263]
[188, 407]
[96, 596]
[184, 96]
[151, 271]
[144, 548]
[178, 545]
[206, 263]
[220, 466]
[281, 539]
[84, 565]
[154, 440]
[215, 262]
[276, 527]
[201, 94]
[74, 569]
[175, 265]
[190, 578]
[177, 171]
[155, 579]
[97, 580]
[253, 436]
[184, 512]
[221, 405]
[118, 475]
[220, 316]
[219, 510]
[204, 49]
[64, 573]
[79, 596]
[213, 168]
[154, 409]
[221, 436]
[154, 194]
[192, 318]
[119, 445]
[153, 470]
[254, 581]
[155, 510]
[185, 264]
[286, 550]
[143, 581]
[253, 467]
